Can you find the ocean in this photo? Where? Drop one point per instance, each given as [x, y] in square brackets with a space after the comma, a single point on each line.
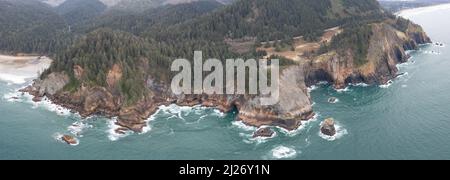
[409, 119]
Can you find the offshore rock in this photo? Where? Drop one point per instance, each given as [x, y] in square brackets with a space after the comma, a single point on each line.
[263, 132]
[328, 128]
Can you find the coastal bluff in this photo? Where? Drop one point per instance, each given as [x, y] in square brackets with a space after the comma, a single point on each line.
[387, 47]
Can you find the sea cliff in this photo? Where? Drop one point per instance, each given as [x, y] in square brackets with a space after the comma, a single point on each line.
[387, 47]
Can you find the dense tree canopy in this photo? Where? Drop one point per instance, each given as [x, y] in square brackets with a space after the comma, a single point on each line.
[30, 27]
[77, 11]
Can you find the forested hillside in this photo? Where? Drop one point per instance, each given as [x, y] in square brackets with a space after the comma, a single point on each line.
[143, 43]
[76, 11]
[100, 50]
[30, 27]
[177, 30]
[275, 20]
[139, 22]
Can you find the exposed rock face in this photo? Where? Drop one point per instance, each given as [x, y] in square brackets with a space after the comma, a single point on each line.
[387, 48]
[114, 75]
[78, 71]
[294, 104]
[328, 128]
[69, 140]
[263, 132]
[51, 85]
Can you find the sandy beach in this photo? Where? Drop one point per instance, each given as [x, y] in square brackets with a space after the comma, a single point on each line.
[20, 69]
[408, 13]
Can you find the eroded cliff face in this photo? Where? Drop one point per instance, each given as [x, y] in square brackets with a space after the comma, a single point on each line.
[387, 48]
[293, 107]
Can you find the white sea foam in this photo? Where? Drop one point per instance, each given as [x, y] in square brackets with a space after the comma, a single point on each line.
[147, 128]
[300, 128]
[322, 83]
[432, 52]
[340, 132]
[58, 137]
[112, 134]
[359, 84]
[439, 44]
[13, 97]
[403, 75]
[312, 88]
[335, 101]
[14, 79]
[179, 111]
[283, 152]
[401, 65]
[241, 125]
[59, 110]
[112, 126]
[260, 140]
[182, 111]
[387, 85]
[219, 113]
[78, 128]
[408, 52]
[346, 89]
[45, 103]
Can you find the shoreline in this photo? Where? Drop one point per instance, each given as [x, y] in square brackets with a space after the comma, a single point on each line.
[406, 13]
[20, 69]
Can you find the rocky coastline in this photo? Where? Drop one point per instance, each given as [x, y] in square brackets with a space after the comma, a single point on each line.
[387, 48]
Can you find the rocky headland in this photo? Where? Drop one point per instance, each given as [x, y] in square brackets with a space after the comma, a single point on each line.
[387, 47]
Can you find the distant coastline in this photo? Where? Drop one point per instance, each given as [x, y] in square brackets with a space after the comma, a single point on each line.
[407, 13]
[19, 69]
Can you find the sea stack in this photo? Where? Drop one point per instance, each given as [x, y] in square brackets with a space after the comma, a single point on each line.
[328, 128]
[263, 132]
[69, 140]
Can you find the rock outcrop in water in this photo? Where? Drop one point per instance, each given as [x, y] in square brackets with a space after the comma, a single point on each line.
[263, 132]
[69, 140]
[328, 128]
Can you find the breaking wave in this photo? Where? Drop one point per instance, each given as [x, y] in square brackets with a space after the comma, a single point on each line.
[346, 89]
[283, 152]
[14, 79]
[300, 128]
[78, 128]
[243, 126]
[112, 134]
[387, 85]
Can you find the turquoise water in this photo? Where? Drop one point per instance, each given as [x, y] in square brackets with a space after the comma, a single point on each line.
[408, 120]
